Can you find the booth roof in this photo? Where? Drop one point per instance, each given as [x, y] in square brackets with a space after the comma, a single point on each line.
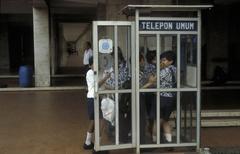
[129, 10]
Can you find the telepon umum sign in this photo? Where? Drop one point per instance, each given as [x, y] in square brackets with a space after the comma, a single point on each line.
[166, 25]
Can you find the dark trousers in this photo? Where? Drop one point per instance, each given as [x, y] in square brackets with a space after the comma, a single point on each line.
[142, 119]
[85, 69]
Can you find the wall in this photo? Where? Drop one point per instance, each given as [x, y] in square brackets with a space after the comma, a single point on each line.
[86, 35]
[4, 55]
[78, 33]
[16, 6]
[217, 40]
[62, 48]
[234, 42]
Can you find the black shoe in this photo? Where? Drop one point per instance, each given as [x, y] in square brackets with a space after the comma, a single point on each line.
[88, 147]
[165, 141]
[100, 152]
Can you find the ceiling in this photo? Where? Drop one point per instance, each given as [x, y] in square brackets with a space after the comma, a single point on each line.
[73, 3]
[69, 6]
[66, 6]
[226, 2]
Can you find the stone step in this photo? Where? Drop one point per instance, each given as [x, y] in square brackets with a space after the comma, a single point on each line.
[227, 122]
[224, 122]
[212, 118]
[220, 113]
[212, 113]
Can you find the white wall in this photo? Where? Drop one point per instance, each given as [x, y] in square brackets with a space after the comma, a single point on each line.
[74, 32]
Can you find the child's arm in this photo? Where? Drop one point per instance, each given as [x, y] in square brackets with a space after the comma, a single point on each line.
[151, 81]
[102, 81]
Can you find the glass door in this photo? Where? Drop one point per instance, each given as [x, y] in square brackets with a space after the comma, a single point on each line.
[115, 98]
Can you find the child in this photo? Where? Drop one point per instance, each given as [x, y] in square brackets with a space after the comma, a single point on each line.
[167, 99]
[90, 103]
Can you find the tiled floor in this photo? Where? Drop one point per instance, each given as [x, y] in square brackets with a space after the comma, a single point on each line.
[55, 122]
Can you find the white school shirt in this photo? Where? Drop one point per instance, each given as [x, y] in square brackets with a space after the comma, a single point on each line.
[87, 54]
[90, 83]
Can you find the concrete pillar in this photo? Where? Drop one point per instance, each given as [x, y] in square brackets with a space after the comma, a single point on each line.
[41, 47]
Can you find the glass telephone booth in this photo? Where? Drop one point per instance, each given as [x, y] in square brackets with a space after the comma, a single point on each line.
[127, 113]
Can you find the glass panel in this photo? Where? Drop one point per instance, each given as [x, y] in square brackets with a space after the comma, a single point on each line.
[147, 118]
[168, 61]
[168, 117]
[188, 60]
[188, 117]
[124, 57]
[125, 118]
[147, 59]
[108, 123]
[107, 119]
[105, 60]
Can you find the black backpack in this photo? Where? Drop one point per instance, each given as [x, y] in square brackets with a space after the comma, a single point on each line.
[125, 99]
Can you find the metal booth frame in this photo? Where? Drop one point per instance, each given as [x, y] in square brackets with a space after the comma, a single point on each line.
[135, 10]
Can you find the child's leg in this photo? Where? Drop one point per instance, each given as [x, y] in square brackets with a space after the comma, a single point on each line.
[90, 133]
[88, 142]
[166, 110]
[152, 116]
[167, 129]
[91, 126]
[154, 129]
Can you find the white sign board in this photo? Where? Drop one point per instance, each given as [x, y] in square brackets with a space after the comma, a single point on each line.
[105, 45]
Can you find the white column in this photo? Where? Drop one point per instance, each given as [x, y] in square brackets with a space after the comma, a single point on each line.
[41, 47]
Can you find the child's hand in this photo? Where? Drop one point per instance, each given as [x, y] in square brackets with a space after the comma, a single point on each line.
[162, 65]
[107, 75]
[152, 79]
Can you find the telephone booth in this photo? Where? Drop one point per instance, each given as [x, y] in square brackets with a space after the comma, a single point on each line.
[129, 114]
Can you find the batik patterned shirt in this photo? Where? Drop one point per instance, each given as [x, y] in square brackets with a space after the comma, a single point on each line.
[167, 76]
[150, 69]
[144, 73]
[122, 76]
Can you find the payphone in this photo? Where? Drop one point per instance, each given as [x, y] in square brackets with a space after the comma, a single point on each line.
[118, 47]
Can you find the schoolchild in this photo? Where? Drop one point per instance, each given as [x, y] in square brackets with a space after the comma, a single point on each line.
[90, 103]
[167, 99]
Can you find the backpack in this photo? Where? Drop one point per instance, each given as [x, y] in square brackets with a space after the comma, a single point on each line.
[125, 99]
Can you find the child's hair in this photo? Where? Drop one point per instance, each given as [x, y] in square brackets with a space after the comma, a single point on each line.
[141, 57]
[169, 55]
[90, 60]
[150, 56]
[89, 44]
[120, 54]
